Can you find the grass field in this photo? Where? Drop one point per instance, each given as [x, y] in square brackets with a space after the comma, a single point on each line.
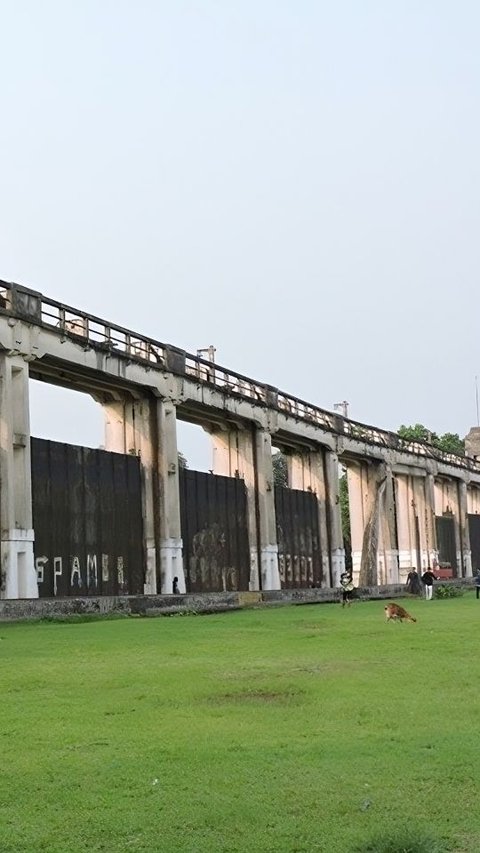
[290, 729]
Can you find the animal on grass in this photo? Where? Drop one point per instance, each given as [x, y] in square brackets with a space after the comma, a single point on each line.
[394, 611]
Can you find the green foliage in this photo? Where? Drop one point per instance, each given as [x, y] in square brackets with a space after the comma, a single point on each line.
[449, 442]
[345, 509]
[182, 460]
[280, 472]
[290, 729]
[447, 590]
[415, 433]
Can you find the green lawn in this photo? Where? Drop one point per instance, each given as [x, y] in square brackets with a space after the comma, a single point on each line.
[290, 729]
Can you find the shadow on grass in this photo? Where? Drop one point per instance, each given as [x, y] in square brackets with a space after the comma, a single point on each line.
[403, 841]
[76, 618]
[260, 695]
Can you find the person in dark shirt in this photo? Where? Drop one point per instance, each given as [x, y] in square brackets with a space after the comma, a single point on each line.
[427, 579]
[477, 584]
[413, 582]
[176, 589]
[346, 583]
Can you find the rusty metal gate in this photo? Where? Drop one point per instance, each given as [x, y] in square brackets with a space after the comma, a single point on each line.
[216, 554]
[447, 549]
[474, 530]
[298, 536]
[87, 517]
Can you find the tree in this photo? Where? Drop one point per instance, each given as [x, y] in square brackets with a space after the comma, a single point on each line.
[345, 514]
[280, 472]
[416, 433]
[449, 442]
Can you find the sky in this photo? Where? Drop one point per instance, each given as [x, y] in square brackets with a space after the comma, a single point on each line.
[296, 183]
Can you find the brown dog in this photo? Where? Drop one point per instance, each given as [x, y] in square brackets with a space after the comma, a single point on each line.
[394, 611]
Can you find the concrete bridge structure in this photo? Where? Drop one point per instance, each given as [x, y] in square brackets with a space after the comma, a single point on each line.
[410, 504]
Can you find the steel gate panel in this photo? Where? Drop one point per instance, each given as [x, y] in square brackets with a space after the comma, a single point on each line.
[474, 530]
[447, 549]
[87, 518]
[298, 537]
[216, 553]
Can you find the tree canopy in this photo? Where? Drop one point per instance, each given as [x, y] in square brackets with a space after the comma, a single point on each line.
[449, 442]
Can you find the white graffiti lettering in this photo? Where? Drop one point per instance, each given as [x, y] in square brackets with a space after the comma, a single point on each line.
[76, 571]
[105, 572]
[86, 575]
[40, 566]
[120, 571]
[57, 572]
[92, 570]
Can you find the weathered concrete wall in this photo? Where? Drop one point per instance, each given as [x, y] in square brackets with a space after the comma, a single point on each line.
[145, 385]
[165, 605]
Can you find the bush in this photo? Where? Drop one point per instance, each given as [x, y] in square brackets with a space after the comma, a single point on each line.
[446, 590]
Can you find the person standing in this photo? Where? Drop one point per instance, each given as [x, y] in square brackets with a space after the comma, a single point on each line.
[346, 582]
[413, 582]
[427, 579]
[477, 584]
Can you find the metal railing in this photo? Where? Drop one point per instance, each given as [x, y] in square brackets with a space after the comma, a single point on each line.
[92, 332]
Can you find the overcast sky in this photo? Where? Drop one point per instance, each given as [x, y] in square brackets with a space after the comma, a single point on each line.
[295, 182]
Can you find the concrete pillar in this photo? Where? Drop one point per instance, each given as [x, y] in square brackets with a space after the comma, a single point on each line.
[147, 428]
[372, 523]
[464, 530]
[415, 511]
[408, 557]
[18, 576]
[358, 505]
[171, 545]
[431, 530]
[333, 511]
[388, 545]
[361, 498]
[247, 453]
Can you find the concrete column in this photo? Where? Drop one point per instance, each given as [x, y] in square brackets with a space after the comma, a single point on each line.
[130, 428]
[407, 551]
[18, 576]
[388, 546]
[431, 530]
[171, 545]
[247, 453]
[464, 530]
[333, 512]
[415, 522]
[359, 505]
[372, 523]
[420, 522]
[148, 428]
